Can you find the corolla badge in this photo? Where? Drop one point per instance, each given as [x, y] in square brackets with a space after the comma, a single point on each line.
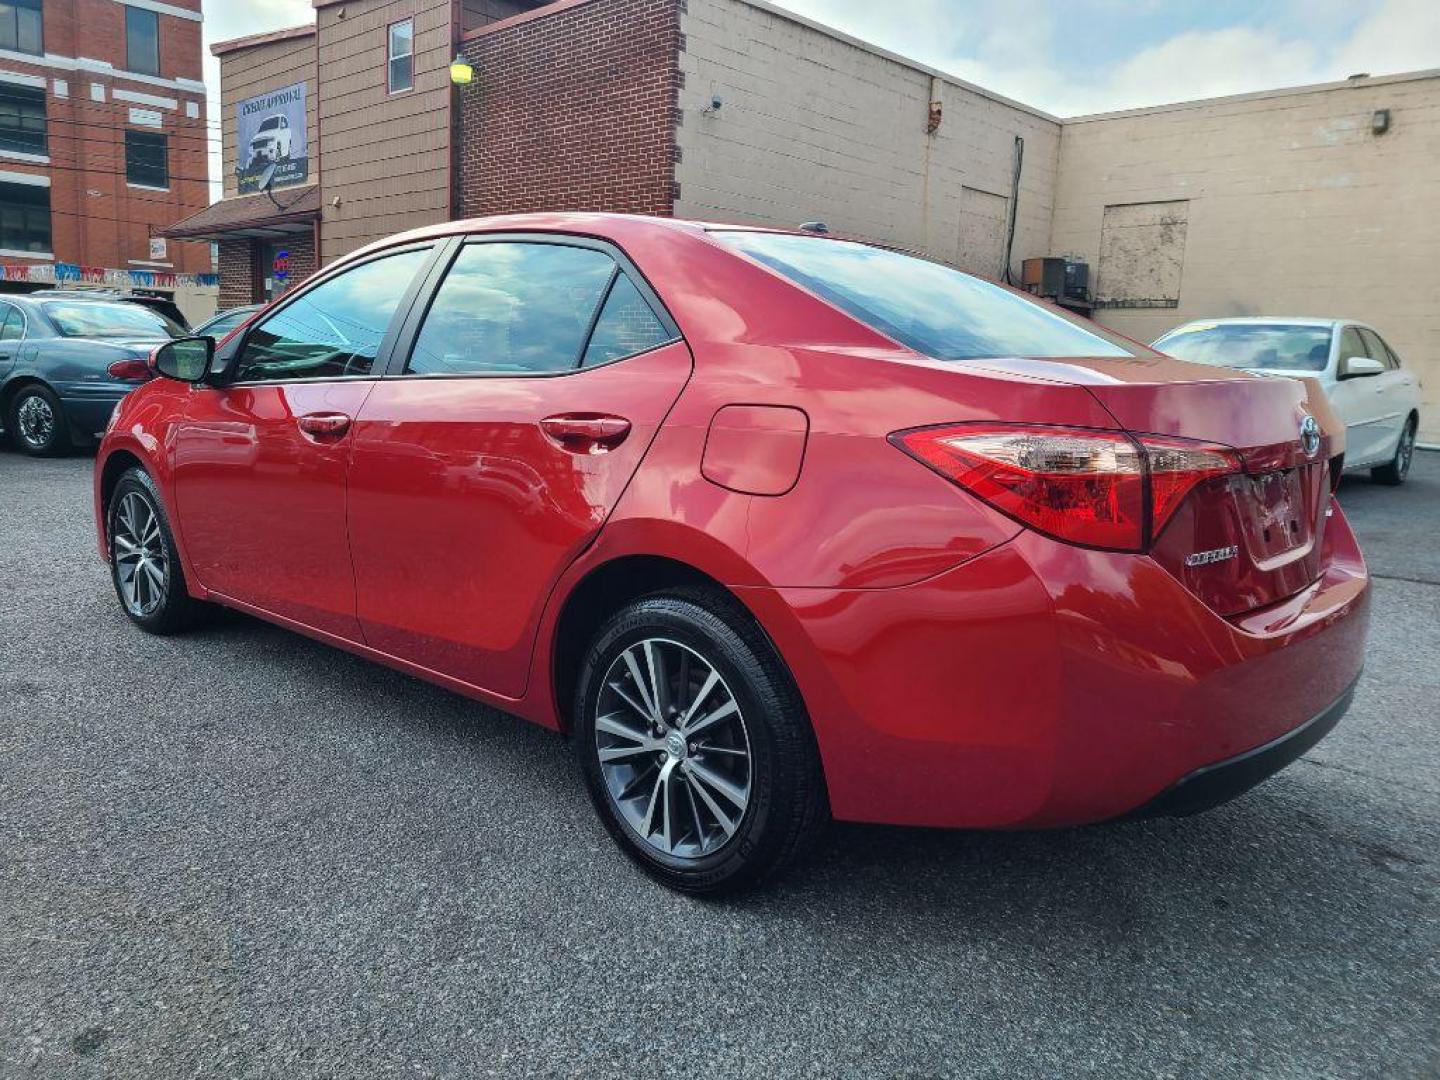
[1205, 558]
[1310, 435]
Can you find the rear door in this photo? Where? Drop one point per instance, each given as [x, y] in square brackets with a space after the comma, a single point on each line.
[259, 464]
[519, 404]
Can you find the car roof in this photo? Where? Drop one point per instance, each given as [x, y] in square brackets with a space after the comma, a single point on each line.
[612, 227]
[1282, 320]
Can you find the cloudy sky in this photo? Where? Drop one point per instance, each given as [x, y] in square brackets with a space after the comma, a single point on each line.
[1078, 56]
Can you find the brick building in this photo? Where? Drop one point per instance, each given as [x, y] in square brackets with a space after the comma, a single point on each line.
[102, 144]
[1292, 201]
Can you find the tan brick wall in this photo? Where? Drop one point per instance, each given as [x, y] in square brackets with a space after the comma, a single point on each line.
[1294, 208]
[817, 126]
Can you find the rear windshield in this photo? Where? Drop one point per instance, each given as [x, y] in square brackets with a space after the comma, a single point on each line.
[923, 305]
[99, 319]
[1255, 346]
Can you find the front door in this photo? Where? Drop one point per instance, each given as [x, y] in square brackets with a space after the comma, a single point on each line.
[260, 463]
[533, 388]
[1359, 401]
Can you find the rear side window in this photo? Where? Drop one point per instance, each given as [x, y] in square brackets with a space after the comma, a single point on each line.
[923, 305]
[626, 326]
[512, 309]
[333, 330]
[12, 323]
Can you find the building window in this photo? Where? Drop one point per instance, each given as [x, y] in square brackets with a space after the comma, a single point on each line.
[21, 28]
[147, 159]
[402, 56]
[22, 119]
[25, 217]
[142, 41]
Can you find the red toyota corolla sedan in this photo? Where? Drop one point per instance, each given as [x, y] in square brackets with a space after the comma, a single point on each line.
[775, 526]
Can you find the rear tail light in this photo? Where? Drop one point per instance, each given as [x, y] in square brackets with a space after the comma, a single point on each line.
[133, 370]
[1101, 489]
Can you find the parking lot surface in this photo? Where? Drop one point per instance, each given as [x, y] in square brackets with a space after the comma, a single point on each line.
[240, 853]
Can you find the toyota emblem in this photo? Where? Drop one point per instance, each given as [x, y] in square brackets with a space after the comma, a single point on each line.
[1310, 435]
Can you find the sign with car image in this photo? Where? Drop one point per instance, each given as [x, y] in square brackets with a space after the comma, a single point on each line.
[271, 149]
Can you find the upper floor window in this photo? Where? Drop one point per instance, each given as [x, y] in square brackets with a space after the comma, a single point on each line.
[147, 159]
[402, 56]
[25, 217]
[22, 119]
[21, 26]
[142, 41]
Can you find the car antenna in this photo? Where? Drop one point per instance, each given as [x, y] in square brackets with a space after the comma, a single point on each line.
[817, 227]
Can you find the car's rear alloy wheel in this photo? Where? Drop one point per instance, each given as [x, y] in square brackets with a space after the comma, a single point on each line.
[1394, 473]
[37, 420]
[144, 564]
[695, 745]
[673, 750]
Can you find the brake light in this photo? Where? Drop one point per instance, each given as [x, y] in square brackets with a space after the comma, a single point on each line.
[134, 370]
[1102, 489]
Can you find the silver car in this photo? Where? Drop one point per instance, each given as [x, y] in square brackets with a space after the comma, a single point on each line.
[1373, 393]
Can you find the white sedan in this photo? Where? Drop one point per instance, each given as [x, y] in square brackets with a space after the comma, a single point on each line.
[1378, 399]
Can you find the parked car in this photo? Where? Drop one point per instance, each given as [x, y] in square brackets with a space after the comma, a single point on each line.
[226, 321]
[66, 359]
[1376, 397]
[775, 526]
[272, 142]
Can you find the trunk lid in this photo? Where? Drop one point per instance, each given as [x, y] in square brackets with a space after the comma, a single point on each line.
[1242, 541]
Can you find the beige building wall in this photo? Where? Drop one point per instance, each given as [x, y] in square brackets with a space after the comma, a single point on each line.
[816, 125]
[385, 156]
[259, 69]
[1281, 203]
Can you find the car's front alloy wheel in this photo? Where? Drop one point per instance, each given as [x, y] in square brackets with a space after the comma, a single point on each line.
[695, 745]
[144, 563]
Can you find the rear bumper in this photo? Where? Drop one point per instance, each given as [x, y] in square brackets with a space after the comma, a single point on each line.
[1212, 785]
[88, 410]
[1042, 685]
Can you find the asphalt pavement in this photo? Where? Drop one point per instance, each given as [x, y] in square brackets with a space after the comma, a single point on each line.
[242, 854]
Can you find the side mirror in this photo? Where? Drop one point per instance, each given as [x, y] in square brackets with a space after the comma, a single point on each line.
[185, 359]
[1358, 367]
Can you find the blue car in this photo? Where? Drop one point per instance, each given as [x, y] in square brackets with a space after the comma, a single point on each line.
[66, 360]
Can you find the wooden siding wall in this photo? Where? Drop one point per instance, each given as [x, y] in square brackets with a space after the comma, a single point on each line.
[258, 70]
[386, 157]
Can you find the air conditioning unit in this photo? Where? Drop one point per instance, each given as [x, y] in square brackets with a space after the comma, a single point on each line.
[1056, 278]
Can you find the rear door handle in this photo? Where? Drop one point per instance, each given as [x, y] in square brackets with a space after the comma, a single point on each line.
[324, 424]
[586, 433]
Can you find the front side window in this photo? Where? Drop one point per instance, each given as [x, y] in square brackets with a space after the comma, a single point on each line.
[1351, 345]
[22, 119]
[937, 311]
[142, 41]
[402, 56]
[24, 217]
[512, 309]
[147, 159]
[22, 26]
[1376, 348]
[334, 330]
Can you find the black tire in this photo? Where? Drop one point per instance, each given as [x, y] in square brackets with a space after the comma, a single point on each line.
[787, 806]
[174, 610]
[1394, 474]
[36, 422]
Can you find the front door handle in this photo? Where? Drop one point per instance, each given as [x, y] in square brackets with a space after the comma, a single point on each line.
[586, 433]
[324, 424]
